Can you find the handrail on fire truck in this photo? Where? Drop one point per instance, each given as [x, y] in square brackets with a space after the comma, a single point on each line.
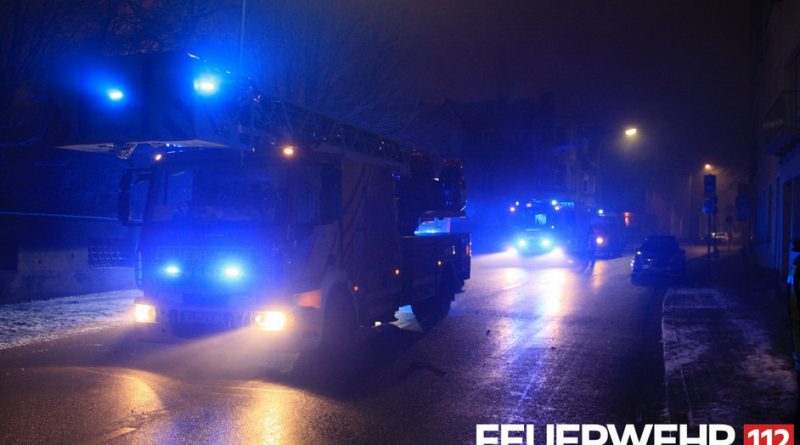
[291, 122]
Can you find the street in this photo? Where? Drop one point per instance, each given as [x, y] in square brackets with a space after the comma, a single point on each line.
[430, 222]
[531, 340]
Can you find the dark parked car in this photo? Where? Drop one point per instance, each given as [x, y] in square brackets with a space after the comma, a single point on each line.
[794, 304]
[658, 255]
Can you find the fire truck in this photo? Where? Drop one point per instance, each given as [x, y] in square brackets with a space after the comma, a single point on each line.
[264, 218]
[542, 226]
[609, 234]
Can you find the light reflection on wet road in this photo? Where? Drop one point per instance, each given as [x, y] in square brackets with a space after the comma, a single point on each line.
[532, 340]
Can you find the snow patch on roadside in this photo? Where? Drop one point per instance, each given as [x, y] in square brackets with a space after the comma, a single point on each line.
[719, 361]
[761, 364]
[36, 321]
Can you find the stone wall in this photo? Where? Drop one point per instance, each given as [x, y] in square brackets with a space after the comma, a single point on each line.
[45, 256]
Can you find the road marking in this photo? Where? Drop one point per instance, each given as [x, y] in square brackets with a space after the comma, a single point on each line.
[112, 435]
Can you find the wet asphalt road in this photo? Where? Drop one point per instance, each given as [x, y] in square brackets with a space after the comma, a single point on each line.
[531, 340]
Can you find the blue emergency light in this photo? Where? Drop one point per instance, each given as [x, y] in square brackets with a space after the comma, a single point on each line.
[206, 85]
[232, 272]
[115, 94]
[172, 270]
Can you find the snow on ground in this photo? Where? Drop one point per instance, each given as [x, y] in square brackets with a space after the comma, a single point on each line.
[36, 321]
[721, 363]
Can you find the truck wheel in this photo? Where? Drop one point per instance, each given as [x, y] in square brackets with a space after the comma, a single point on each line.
[340, 324]
[335, 360]
[432, 310]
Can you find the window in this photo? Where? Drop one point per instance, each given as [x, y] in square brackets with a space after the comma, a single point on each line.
[109, 252]
[764, 215]
[222, 192]
[560, 177]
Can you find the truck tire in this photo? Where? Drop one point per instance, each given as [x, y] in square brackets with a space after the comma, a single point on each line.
[335, 361]
[432, 310]
[340, 325]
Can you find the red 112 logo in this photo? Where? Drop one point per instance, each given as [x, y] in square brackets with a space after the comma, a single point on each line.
[768, 434]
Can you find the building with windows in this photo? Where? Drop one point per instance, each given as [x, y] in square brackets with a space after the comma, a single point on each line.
[776, 178]
[518, 148]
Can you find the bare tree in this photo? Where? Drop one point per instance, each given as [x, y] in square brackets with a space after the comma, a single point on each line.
[147, 26]
[339, 57]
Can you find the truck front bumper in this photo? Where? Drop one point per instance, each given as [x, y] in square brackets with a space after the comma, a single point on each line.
[284, 329]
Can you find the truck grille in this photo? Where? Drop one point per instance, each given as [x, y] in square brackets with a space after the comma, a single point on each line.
[199, 262]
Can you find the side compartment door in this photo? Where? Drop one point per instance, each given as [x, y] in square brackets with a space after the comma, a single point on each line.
[370, 243]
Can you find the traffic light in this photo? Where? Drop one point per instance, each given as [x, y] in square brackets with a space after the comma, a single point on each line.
[709, 186]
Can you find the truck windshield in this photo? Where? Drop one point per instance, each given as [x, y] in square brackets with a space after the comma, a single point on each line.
[534, 217]
[221, 192]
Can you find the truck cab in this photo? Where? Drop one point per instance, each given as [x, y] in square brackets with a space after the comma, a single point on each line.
[542, 226]
[281, 242]
[262, 217]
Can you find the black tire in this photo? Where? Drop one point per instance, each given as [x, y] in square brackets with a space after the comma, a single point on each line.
[340, 325]
[431, 311]
[335, 361]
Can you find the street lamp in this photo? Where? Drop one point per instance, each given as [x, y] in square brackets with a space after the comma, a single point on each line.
[707, 168]
[631, 132]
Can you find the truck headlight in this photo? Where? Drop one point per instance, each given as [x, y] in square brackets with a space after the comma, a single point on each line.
[232, 272]
[545, 243]
[272, 321]
[144, 313]
[522, 243]
[172, 270]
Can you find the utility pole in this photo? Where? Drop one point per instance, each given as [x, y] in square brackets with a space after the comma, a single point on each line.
[241, 36]
[689, 222]
[709, 208]
[708, 243]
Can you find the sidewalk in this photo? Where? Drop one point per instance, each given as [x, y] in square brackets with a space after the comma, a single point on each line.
[41, 320]
[727, 347]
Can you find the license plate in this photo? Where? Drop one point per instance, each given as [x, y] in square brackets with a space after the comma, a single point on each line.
[212, 318]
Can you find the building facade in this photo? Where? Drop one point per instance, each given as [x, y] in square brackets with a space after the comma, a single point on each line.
[519, 149]
[776, 178]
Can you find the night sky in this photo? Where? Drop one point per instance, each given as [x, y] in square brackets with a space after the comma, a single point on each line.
[680, 70]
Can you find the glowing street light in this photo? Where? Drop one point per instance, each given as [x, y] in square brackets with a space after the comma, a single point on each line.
[708, 167]
[631, 132]
[288, 151]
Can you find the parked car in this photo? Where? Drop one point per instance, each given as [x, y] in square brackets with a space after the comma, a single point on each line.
[658, 255]
[794, 305]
